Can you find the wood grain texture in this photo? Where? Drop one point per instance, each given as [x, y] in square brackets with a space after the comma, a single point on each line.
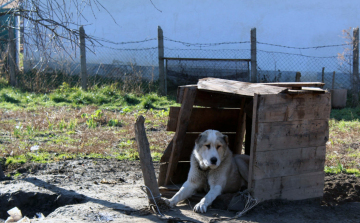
[237, 87]
[211, 99]
[201, 119]
[296, 187]
[146, 160]
[285, 107]
[2, 175]
[296, 84]
[240, 131]
[253, 146]
[269, 164]
[178, 141]
[163, 168]
[288, 135]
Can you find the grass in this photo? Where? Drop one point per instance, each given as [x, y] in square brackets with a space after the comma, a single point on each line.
[70, 123]
[73, 123]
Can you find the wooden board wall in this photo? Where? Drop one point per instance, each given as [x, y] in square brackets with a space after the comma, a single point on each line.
[288, 145]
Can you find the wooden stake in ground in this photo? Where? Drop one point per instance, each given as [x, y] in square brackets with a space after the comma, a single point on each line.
[1, 173]
[146, 160]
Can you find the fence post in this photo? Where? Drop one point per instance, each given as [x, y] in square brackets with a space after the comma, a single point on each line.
[253, 55]
[12, 57]
[355, 90]
[162, 76]
[298, 77]
[323, 75]
[18, 41]
[83, 59]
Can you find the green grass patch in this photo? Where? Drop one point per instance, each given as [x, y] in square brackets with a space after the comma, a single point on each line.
[107, 97]
[346, 114]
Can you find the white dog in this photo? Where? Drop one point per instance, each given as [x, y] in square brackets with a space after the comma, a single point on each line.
[213, 164]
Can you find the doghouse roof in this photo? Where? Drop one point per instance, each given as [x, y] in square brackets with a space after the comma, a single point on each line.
[249, 89]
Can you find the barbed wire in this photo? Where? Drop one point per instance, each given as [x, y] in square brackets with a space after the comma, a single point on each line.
[303, 48]
[204, 44]
[297, 54]
[120, 43]
[127, 49]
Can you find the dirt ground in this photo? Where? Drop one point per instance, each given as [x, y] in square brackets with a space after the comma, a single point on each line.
[97, 190]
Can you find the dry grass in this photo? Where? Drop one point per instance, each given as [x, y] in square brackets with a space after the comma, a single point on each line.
[344, 144]
[66, 130]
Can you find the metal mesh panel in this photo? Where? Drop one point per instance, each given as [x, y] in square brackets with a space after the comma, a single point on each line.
[189, 71]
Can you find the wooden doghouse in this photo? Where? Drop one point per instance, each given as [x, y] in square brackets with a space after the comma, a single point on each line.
[285, 127]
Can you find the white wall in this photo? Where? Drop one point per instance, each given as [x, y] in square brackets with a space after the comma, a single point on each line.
[286, 22]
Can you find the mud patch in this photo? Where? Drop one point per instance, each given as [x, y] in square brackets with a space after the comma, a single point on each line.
[340, 189]
[31, 203]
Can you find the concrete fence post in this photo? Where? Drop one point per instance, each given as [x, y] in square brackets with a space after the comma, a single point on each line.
[84, 77]
[298, 77]
[253, 55]
[355, 90]
[162, 76]
[12, 57]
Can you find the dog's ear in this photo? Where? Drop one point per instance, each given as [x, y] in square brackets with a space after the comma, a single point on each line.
[226, 138]
[197, 141]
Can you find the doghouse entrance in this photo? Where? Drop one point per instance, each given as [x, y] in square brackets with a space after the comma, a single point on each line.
[283, 130]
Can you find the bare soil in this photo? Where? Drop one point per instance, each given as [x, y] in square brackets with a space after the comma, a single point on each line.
[99, 190]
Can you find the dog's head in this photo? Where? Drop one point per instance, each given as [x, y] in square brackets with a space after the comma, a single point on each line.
[210, 148]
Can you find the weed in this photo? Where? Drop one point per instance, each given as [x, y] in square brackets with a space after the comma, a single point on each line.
[114, 122]
[17, 130]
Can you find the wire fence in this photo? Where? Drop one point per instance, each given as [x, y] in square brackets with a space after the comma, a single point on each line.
[137, 69]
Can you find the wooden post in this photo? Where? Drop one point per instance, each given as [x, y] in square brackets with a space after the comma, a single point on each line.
[298, 77]
[253, 55]
[83, 59]
[2, 175]
[240, 129]
[355, 67]
[12, 57]
[333, 81]
[146, 160]
[162, 76]
[182, 124]
[322, 75]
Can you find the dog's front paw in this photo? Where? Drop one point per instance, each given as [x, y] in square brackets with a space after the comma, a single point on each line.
[200, 207]
[169, 203]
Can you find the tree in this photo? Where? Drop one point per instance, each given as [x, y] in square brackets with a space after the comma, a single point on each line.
[348, 59]
[48, 26]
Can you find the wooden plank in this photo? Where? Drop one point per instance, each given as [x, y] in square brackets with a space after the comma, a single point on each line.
[163, 168]
[238, 87]
[212, 99]
[147, 166]
[201, 119]
[240, 129]
[296, 187]
[296, 84]
[303, 186]
[184, 119]
[285, 107]
[253, 146]
[269, 164]
[294, 134]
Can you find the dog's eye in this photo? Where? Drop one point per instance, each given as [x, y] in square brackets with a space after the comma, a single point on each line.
[208, 146]
[218, 147]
